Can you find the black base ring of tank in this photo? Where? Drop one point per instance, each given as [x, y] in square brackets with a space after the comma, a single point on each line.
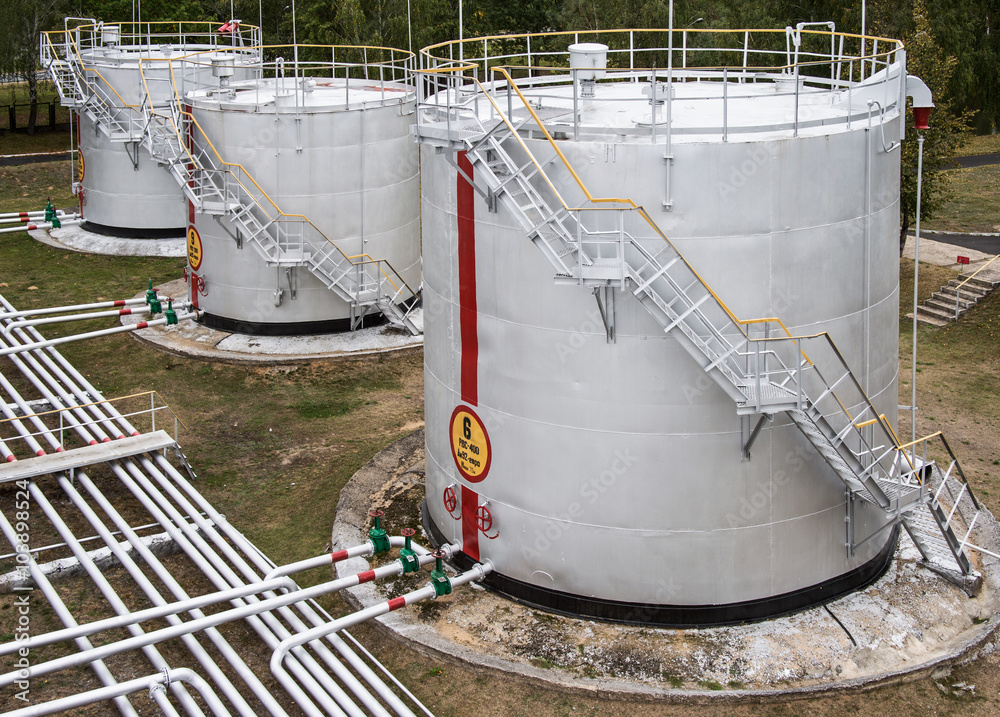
[677, 616]
[299, 328]
[135, 233]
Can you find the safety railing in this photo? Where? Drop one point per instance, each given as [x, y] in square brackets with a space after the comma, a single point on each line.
[59, 420]
[958, 288]
[176, 136]
[800, 63]
[958, 508]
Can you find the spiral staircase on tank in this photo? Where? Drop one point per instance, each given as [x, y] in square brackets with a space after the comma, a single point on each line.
[215, 187]
[758, 363]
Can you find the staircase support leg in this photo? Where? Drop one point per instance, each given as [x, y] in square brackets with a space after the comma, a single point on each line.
[764, 418]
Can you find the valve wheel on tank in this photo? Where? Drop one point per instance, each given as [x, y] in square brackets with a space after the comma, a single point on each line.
[484, 518]
[450, 500]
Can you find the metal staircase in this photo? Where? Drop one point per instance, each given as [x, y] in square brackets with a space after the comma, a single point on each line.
[759, 364]
[215, 187]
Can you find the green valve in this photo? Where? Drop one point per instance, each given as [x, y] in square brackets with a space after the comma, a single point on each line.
[50, 214]
[380, 541]
[439, 579]
[170, 314]
[153, 300]
[406, 555]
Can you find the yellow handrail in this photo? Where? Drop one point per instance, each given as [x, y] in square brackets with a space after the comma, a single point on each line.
[98, 403]
[656, 229]
[285, 216]
[973, 276]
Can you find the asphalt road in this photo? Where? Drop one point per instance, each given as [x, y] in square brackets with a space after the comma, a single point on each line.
[987, 245]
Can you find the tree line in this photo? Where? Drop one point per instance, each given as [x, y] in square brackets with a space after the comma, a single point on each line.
[954, 45]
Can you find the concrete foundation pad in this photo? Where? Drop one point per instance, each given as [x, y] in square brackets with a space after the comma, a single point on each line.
[192, 339]
[908, 623]
[80, 240]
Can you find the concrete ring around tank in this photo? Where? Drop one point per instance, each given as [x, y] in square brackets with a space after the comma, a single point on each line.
[906, 624]
[195, 340]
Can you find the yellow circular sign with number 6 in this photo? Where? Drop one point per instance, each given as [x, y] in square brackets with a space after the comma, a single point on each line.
[470, 444]
[194, 249]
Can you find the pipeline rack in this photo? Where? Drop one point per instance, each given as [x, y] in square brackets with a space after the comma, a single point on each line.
[194, 600]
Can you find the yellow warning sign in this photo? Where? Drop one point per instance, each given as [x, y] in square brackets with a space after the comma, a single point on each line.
[194, 249]
[81, 167]
[470, 444]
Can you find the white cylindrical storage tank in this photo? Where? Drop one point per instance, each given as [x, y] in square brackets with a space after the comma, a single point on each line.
[330, 145]
[122, 190]
[570, 440]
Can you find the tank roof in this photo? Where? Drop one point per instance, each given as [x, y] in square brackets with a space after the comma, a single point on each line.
[309, 94]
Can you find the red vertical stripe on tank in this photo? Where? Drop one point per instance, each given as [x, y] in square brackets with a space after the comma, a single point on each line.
[470, 528]
[467, 283]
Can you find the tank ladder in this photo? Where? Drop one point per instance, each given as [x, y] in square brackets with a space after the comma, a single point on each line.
[78, 91]
[758, 363]
[218, 188]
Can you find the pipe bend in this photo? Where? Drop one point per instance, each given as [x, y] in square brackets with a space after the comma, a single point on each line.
[919, 91]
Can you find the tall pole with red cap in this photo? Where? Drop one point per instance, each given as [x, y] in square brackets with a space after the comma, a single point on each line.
[922, 104]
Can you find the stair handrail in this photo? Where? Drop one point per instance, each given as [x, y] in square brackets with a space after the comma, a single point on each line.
[739, 323]
[958, 289]
[175, 106]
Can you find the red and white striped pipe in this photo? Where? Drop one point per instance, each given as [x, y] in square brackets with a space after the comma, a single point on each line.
[72, 307]
[74, 317]
[93, 334]
[33, 217]
[43, 225]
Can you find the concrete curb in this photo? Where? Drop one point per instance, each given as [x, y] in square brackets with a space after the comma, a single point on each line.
[351, 513]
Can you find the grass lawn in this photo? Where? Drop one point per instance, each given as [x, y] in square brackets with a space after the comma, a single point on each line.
[984, 144]
[975, 202]
[26, 187]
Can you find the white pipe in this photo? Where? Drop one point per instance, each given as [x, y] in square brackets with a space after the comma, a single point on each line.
[919, 91]
[152, 613]
[24, 323]
[69, 398]
[369, 676]
[357, 551]
[94, 334]
[477, 572]
[365, 549]
[64, 309]
[43, 225]
[151, 682]
[59, 607]
[393, 569]
[85, 391]
[32, 213]
[279, 629]
[193, 542]
[223, 646]
[916, 290]
[112, 598]
[57, 400]
[24, 218]
[18, 424]
[254, 555]
[227, 651]
[128, 562]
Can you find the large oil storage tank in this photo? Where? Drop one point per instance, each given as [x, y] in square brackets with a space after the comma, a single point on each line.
[571, 440]
[122, 190]
[320, 163]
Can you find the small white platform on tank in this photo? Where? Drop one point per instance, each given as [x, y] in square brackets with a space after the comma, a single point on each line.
[910, 620]
[80, 240]
[197, 341]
